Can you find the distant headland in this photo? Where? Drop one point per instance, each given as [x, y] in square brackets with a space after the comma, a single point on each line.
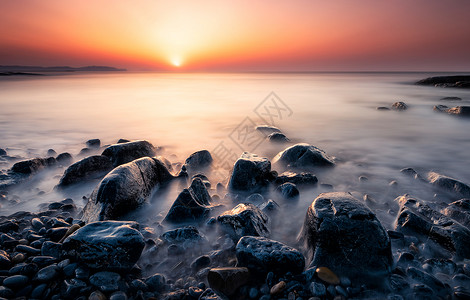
[37, 70]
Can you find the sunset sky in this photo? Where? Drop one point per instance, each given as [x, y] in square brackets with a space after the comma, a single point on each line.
[245, 35]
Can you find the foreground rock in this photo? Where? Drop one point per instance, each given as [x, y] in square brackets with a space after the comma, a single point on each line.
[124, 189]
[303, 156]
[107, 245]
[449, 184]
[459, 211]
[192, 204]
[261, 255]
[420, 219]
[198, 160]
[399, 106]
[24, 170]
[250, 174]
[341, 233]
[92, 167]
[227, 280]
[459, 81]
[242, 220]
[463, 111]
[127, 152]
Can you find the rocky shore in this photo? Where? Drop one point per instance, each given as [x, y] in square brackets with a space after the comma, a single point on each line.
[215, 243]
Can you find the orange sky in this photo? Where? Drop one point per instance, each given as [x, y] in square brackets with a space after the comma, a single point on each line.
[245, 35]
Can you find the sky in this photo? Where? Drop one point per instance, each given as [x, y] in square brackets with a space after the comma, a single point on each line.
[243, 35]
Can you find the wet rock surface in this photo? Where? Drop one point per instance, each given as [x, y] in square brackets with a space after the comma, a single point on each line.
[250, 174]
[244, 219]
[92, 167]
[302, 156]
[458, 81]
[449, 184]
[198, 160]
[126, 152]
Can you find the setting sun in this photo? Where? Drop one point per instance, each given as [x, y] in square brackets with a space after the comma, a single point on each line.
[176, 62]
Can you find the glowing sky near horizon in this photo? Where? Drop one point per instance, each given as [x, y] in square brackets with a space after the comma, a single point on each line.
[245, 35]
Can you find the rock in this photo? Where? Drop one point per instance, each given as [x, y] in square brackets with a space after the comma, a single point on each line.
[156, 282]
[51, 152]
[278, 288]
[127, 152]
[417, 218]
[47, 274]
[459, 211]
[43, 261]
[440, 108]
[107, 245]
[429, 280]
[382, 108]
[8, 226]
[299, 179]
[32, 166]
[303, 156]
[200, 262]
[244, 219]
[192, 204]
[97, 295]
[288, 191]
[342, 234]
[267, 129]
[327, 275]
[3, 152]
[399, 106]
[250, 174]
[269, 206]
[4, 260]
[278, 137]
[449, 184]
[262, 255]
[198, 160]
[64, 159]
[16, 282]
[318, 289]
[209, 294]
[119, 295]
[451, 99]
[187, 236]
[122, 141]
[459, 111]
[227, 280]
[445, 81]
[51, 249]
[93, 143]
[92, 167]
[105, 279]
[124, 189]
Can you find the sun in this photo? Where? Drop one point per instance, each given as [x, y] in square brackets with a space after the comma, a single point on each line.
[176, 62]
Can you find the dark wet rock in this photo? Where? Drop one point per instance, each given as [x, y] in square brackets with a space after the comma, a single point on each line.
[399, 106]
[198, 160]
[200, 262]
[6, 293]
[209, 294]
[93, 143]
[459, 111]
[269, 206]
[262, 255]
[451, 99]
[28, 250]
[122, 141]
[250, 174]
[429, 280]
[31, 166]
[64, 159]
[3, 152]
[440, 108]
[16, 282]
[459, 211]
[51, 152]
[303, 156]
[187, 236]
[318, 289]
[156, 282]
[439, 265]
[105, 280]
[92, 167]
[446, 81]
[343, 234]
[299, 179]
[417, 218]
[180, 294]
[288, 191]
[106, 245]
[227, 280]
[398, 283]
[119, 295]
[382, 108]
[127, 152]
[47, 274]
[462, 292]
[124, 189]
[278, 137]
[244, 219]
[449, 184]
[5, 261]
[267, 129]
[192, 204]
[43, 261]
[9, 226]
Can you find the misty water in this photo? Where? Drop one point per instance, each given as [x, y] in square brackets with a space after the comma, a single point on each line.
[183, 113]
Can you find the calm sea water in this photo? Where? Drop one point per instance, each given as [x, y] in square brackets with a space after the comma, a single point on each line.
[183, 113]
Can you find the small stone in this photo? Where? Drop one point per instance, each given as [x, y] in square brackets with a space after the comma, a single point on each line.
[15, 282]
[318, 289]
[105, 278]
[18, 258]
[277, 288]
[327, 275]
[156, 282]
[200, 262]
[399, 106]
[97, 295]
[345, 281]
[119, 295]
[253, 293]
[195, 292]
[227, 280]
[47, 274]
[340, 290]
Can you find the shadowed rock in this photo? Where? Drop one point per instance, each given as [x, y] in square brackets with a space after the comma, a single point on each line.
[244, 219]
[459, 111]
[127, 152]
[278, 137]
[250, 174]
[299, 179]
[31, 166]
[302, 156]
[399, 106]
[227, 280]
[107, 245]
[343, 234]
[449, 184]
[92, 167]
[124, 189]
[462, 81]
[198, 160]
[267, 129]
[459, 211]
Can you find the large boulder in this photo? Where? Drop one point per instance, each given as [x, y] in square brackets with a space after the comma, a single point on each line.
[342, 234]
[262, 255]
[302, 156]
[31, 166]
[92, 167]
[192, 204]
[459, 211]
[419, 219]
[449, 184]
[244, 219]
[107, 245]
[198, 160]
[250, 174]
[124, 189]
[127, 152]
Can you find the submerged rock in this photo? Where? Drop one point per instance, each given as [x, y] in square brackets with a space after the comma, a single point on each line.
[198, 160]
[64, 159]
[417, 218]
[303, 156]
[124, 189]
[3, 152]
[192, 204]
[92, 167]
[288, 191]
[106, 245]
[187, 236]
[446, 81]
[31, 166]
[449, 184]
[459, 111]
[343, 234]
[267, 129]
[93, 143]
[399, 106]
[127, 152]
[451, 99]
[278, 137]
[227, 280]
[262, 255]
[244, 219]
[459, 211]
[297, 178]
[250, 174]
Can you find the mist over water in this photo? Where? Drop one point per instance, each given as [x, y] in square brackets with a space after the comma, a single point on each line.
[184, 113]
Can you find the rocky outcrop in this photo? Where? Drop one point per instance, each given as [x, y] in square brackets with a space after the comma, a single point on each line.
[250, 174]
[24, 170]
[92, 167]
[303, 156]
[459, 211]
[449, 184]
[127, 152]
[124, 189]
[300, 179]
[460, 81]
[343, 234]
[244, 219]
[267, 129]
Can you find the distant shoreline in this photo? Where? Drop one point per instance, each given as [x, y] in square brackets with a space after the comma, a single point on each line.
[14, 70]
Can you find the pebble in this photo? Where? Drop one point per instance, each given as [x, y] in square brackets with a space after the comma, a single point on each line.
[39, 291]
[119, 295]
[195, 292]
[18, 258]
[97, 295]
[15, 282]
[47, 274]
[105, 278]
[277, 288]
[318, 289]
[340, 290]
[253, 293]
[28, 250]
[327, 275]
[345, 281]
